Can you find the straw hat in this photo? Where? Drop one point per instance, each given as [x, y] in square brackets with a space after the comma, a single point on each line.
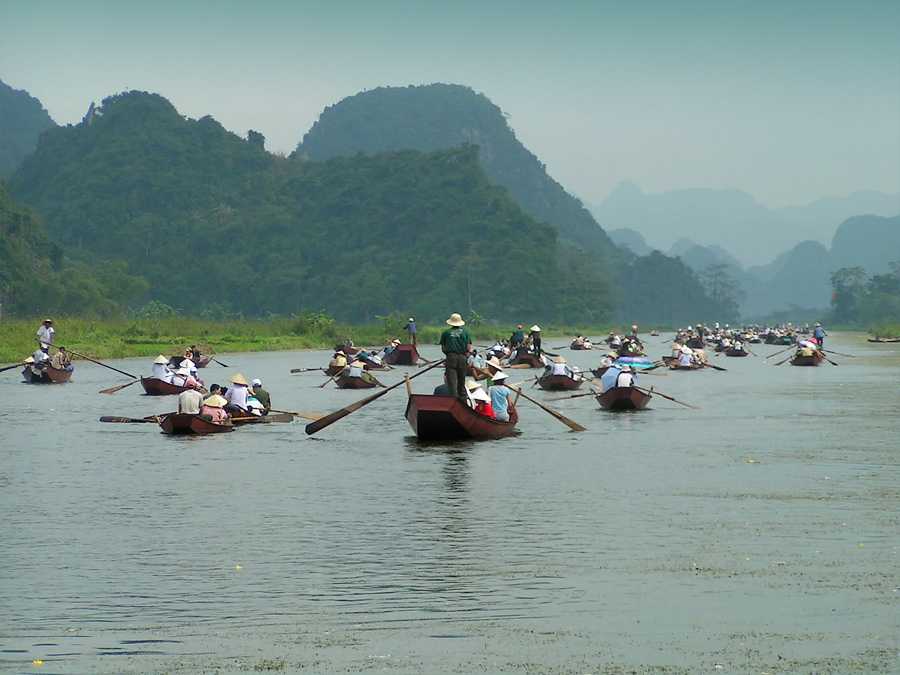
[215, 401]
[494, 362]
[48, 320]
[499, 376]
[535, 329]
[471, 383]
[340, 352]
[30, 359]
[411, 319]
[559, 359]
[162, 360]
[237, 378]
[455, 320]
[395, 342]
[481, 395]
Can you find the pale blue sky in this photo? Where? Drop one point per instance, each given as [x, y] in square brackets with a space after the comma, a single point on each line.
[787, 100]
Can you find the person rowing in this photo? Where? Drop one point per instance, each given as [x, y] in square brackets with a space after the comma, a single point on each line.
[45, 333]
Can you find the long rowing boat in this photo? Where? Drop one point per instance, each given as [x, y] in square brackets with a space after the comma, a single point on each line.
[153, 386]
[446, 418]
[345, 381]
[552, 382]
[48, 375]
[531, 360]
[184, 423]
[262, 419]
[623, 398]
[813, 360]
[403, 355]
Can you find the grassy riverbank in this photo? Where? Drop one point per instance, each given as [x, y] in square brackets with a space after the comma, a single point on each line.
[121, 338]
[887, 330]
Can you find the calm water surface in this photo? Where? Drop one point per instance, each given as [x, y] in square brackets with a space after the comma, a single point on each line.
[758, 534]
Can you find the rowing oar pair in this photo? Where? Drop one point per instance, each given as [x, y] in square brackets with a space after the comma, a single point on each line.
[331, 418]
[594, 392]
[156, 418]
[15, 365]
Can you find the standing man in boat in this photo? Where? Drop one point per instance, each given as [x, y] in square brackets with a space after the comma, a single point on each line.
[535, 337]
[410, 329]
[45, 333]
[819, 334]
[456, 343]
[517, 338]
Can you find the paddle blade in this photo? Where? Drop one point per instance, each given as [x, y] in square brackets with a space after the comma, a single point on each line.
[126, 420]
[331, 418]
[113, 390]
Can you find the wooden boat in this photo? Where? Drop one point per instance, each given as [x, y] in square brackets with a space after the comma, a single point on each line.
[404, 355]
[331, 371]
[580, 346]
[183, 423]
[371, 365]
[153, 386]
[271, 418]
[344, 381]
[731, 351]
[623, 398]
[446, 418]
[654, 333]
[813, 360]
[881, 339]
[785, 340]
[347, 349]
[48, 375]
[527, 358]
[672, 363]
[202, 362]
[551, 382]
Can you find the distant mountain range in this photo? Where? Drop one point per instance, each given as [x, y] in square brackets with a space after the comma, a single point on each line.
[798, 277]
[22, 120]
[733, 219]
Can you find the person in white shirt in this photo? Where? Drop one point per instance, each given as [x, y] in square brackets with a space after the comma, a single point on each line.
[161, 369]
[189, 402]
[46, 332]
[41, 357]
[626, 378]
[686, 357]
[559, 367]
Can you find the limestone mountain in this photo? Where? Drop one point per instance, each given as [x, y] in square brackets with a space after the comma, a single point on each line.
[440, 116]
[871, 242]
[209, 218]
[22, 121]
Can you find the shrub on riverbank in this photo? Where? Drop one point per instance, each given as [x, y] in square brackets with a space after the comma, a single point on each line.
[119, 338]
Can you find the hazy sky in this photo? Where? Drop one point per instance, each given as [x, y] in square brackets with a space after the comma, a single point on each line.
[788, 100]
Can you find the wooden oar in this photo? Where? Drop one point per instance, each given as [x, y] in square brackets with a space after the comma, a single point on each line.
[574, 426]
[153, 419]
[592, 392]
[330, 379]
[305, 415]
[658, 393]
[838, 353]
[113, 390]
[331, 418]
[780, 351]
[786, 360]
[517, 366]
[709, 365]
[834, 363]
[88, 358]
[224, 365]
[304, 370]
[15, 365]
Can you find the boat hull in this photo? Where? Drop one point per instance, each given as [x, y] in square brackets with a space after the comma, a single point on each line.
[580, 347]
[813, 360]
[623, 398]
[736, 352]
[347, 382]
[180, 424]
[271, 418]
[403, 355]
[531, 360]
[49, 375]
[559, 382]
[446, 418]
[155, 387]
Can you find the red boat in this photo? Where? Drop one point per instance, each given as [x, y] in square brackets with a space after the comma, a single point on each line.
[404, 355]
[623, 398]
[813, 360]
[183, 423]
[446, 418]
[559, 382]
[48, 375]
[532, 360]
[344, 381]
[155, 387]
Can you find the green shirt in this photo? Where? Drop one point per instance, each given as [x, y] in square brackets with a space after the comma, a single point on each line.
[263, 397]
[455, 340]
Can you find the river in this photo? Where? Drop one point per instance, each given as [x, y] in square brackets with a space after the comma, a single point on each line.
[759, 533]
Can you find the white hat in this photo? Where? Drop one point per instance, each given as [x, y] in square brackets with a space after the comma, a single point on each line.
[215, 401]
[471, 383]
[481, 395]
[686, 350]
[494, 362]
[535, 329]
[256, 382]
[161, 360]
[30, 359]
[411, 318]
[455, 320]
[395, 341]
[499, 376]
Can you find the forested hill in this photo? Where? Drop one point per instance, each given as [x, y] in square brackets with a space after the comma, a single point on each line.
[439, 116]
[36, 277]
[22, 120]
[212, 220]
